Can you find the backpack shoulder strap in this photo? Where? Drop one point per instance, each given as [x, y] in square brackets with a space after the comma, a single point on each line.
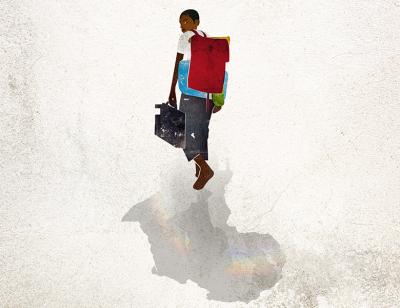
[196, 33]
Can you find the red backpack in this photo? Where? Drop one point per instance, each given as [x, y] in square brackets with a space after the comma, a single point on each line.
[207, 64]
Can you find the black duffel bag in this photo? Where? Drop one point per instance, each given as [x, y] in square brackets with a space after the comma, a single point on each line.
[170, 125]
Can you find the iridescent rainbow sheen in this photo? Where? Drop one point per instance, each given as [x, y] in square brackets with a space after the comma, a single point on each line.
[174, 235]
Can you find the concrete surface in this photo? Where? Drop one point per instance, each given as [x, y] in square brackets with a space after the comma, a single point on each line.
[310, 130]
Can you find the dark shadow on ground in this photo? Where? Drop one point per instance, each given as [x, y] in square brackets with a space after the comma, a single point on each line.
[190, 239]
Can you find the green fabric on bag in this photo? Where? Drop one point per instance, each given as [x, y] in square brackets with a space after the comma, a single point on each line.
[218, 99]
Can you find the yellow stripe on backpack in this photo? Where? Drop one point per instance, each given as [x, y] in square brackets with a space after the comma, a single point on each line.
[222, 37]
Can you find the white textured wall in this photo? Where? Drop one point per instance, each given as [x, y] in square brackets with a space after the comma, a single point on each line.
[310, 129]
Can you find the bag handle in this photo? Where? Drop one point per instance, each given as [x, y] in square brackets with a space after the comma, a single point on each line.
[196, 33]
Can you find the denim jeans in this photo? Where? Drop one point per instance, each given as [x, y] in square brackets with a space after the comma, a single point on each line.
[197, 118]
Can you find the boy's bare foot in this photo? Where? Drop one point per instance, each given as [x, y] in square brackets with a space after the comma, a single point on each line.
[206, 173]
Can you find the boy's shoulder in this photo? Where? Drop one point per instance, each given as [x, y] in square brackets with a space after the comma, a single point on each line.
[184, 41]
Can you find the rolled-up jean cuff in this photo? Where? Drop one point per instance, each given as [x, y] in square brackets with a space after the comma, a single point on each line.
[192, 154]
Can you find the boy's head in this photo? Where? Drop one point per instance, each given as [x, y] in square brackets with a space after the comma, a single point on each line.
[189, 20]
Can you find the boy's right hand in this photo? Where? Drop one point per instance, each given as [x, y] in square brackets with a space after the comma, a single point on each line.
[172, 99]
[216, 109]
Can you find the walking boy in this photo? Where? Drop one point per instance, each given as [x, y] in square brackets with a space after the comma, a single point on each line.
[197, 114]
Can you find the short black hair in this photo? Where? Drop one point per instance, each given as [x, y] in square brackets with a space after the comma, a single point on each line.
[193, 14]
